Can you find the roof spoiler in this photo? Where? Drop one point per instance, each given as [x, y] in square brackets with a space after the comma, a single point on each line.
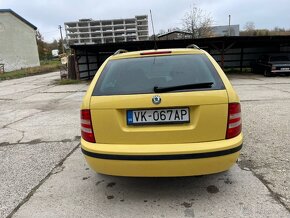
[120, 51]
[193, 46]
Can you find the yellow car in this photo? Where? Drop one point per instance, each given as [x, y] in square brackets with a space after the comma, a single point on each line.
[161, 113]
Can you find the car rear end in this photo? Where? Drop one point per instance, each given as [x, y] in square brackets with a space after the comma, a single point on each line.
[279, 65]
[161, 113]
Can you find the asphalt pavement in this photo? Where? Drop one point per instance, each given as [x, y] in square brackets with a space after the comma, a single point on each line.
[39, 128]
[43, 173]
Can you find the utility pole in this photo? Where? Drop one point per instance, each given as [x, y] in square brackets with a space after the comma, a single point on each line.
[229, 31]
[59, 27]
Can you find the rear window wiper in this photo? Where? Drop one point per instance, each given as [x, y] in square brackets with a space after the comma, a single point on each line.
[181, 87]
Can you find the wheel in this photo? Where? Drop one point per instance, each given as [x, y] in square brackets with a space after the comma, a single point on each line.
[267, 73]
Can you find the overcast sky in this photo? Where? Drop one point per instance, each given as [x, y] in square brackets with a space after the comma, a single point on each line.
[48, 14]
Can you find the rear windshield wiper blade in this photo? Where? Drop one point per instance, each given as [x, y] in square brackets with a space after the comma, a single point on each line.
[181, 87]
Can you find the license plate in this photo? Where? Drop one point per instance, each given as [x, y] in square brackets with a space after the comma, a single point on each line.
[285, 68]
[158, 116]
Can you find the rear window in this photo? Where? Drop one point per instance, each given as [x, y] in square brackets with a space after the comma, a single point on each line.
[141, 75]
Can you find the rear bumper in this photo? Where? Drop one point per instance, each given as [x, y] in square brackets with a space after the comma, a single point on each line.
[280, 71]
[163, 160]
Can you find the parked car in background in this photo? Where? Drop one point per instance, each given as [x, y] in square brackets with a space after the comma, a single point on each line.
[160, 113]
[272, 65]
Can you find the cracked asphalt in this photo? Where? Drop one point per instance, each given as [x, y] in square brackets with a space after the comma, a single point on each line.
[39, 127]
[43, 173]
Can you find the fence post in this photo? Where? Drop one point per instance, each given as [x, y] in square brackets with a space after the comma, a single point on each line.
[242, 59]
[223, 55]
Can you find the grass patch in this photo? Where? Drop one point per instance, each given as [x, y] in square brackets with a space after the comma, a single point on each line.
[52, 62]
[45, 67]
[67, 81]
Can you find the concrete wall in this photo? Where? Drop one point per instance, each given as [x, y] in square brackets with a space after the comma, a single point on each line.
[18, 48]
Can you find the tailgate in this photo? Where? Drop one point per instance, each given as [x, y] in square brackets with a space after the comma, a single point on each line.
[208, 118]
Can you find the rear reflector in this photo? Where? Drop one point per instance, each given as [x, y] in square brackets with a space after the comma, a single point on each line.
[86, 126]
[234, 120]
[155, 53]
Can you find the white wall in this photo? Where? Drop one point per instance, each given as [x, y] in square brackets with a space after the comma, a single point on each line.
[18, 48]
[224, 30]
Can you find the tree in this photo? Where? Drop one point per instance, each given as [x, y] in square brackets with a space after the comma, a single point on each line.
[153, 37]
[249, 26]
[173, 29]
[251, 30]
[161, 32]
[198, 23]
[45, 48]
[41, 45]
[59, 46]
[54, 44]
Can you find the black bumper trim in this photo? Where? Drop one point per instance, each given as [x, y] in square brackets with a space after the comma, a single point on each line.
[162, 157]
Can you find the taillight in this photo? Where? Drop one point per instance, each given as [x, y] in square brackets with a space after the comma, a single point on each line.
[86, 126]
[155, 52]
[234, 120]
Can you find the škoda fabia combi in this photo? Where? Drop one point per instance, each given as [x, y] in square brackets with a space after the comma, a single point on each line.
[161, 113]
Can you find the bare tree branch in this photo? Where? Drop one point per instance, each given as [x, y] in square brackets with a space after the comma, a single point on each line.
[249, 26]
[198, 23]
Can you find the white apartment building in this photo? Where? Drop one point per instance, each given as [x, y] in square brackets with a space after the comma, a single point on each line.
[88, 31]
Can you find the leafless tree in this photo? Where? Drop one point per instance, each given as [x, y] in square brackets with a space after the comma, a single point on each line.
[171, 29]
[249, 26]
[198, 22]
[161, 32]
[251, 30]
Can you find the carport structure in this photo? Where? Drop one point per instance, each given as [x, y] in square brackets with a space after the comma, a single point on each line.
[230, 52]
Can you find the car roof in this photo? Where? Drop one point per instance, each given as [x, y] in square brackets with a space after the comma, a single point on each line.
[157, 52]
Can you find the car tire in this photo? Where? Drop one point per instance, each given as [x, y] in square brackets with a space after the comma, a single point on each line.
[267, 73]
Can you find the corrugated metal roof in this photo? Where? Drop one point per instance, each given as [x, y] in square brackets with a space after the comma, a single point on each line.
[19, 17]
[175, 31]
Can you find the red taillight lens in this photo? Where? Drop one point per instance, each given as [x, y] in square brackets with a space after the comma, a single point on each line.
[234, 120]
[86, 126]
[155, 52]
